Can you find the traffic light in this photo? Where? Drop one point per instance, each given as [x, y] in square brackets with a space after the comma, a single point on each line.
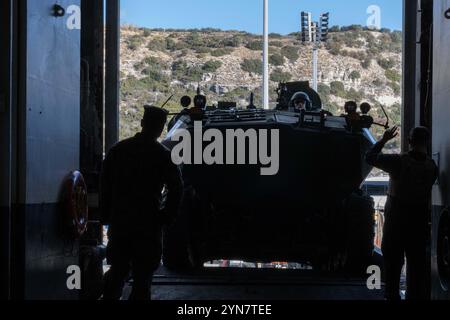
[324, 26]
[314, 31]
[306, 26]
[305, 20]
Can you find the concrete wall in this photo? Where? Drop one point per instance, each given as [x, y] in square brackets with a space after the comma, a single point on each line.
[441, 130]
[49, 130]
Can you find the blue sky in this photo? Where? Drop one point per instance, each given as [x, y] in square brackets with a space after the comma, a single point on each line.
[246, 15]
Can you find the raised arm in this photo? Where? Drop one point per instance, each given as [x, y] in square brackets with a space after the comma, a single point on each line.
[389, 163]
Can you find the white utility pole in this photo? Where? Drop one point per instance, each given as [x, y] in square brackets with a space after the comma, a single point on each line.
[266, 57]
[315, 67]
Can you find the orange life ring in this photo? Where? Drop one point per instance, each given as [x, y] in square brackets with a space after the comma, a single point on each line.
[76, 203]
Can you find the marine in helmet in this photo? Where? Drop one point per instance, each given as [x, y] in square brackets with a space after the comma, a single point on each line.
[407, 212]
[300, 101]
[133, 177]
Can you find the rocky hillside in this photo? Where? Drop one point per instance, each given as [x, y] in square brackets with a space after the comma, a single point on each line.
[355, 64]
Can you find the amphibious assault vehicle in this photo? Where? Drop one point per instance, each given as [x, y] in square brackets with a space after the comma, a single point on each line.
[311, 210]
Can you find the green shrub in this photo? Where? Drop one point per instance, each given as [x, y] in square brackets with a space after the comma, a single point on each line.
[366, 63]
[393, 75]
[147, 32]
[277, 44]
[396, 41]
[134, 42]
[222, 52]
[183, 72]
[212, 66]
[203, 50]
[276, 60]
[275, 35]
[194, 40]
[358, 55]
[353, 27]
[252, 66]
[133, 85]
[291, 53]
[386, 63]
[153, 61]
[355, 75]
[335, 29]
[395, 87]
[378, 82]
[334, 47]
[354, 95]
[337, 89]
[278, 75]
[235, 41]
[153, 74]
[171, 44]
[256, 45]
[323, 90]
[157, 44]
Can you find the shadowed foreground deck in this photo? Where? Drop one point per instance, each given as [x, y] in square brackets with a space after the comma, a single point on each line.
[257, 284]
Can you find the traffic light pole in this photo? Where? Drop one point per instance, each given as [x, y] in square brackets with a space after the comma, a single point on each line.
[315, 33]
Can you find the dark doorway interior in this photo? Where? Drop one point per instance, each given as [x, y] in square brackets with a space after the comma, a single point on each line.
[6, 12]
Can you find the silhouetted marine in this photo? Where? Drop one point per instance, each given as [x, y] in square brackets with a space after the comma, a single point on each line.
[407, 212]
[134, 174]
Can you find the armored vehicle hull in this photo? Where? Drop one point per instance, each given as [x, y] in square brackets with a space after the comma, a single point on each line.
[309, 210]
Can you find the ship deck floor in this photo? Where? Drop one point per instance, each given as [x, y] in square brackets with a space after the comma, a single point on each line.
[257, 284]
